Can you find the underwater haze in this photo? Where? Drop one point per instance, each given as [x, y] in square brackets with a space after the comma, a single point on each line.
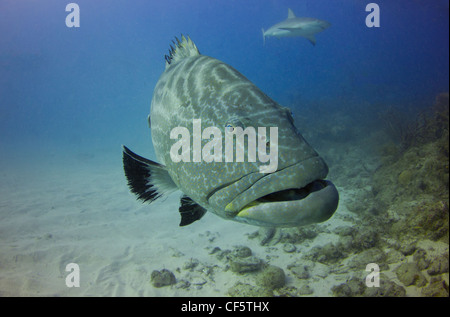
[373, 102]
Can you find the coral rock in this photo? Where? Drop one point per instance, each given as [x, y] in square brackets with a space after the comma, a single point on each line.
[271, 277]
[409, 274]
[162, 278]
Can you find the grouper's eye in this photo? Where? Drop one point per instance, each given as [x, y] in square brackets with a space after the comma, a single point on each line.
[233, 124]
[229, 128]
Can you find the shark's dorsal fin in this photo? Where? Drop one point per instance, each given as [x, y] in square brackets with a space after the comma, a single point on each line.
[291, 14]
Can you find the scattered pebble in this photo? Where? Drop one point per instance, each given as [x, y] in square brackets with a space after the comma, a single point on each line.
[409, 274]
[436, 288]
[242, 251]
[191, 264]
[439, 265]
[300, 271]
[305, 290]
[271, 277]
[248, 264]
[197, 280]
[289, 248]
[183, 284]
[246, 290]
[162, 278]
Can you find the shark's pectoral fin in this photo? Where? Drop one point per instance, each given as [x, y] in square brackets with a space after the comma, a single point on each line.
[147, 179]
[312, 39]
[190, 211]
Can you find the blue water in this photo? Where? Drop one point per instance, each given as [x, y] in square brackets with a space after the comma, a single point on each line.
[90, 87]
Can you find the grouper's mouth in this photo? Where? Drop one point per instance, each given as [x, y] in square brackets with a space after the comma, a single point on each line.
[293, 196]
[314, 203]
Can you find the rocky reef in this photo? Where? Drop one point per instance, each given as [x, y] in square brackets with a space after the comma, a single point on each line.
[414, 180]
[401, 212]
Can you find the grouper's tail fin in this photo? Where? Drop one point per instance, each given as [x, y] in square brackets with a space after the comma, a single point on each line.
[184, 48]
[147, 179]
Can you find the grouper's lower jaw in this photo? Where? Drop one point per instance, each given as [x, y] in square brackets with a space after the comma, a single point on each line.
[317, 206]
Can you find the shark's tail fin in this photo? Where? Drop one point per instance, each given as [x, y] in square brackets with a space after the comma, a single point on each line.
[264, 37]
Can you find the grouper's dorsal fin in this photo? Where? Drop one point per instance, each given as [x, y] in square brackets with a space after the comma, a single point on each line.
[147, 179]
[190, 211]
[184, 48]
[291, 14]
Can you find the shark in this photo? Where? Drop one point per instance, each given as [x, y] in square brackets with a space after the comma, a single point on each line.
[198, 87]
[294, 26]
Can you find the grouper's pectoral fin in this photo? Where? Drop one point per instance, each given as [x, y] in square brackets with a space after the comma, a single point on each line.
[190, 211]
[147, 179]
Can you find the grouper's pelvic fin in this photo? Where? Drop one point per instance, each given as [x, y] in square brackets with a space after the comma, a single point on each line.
[190, 211]
[147, 179]
[184, 48]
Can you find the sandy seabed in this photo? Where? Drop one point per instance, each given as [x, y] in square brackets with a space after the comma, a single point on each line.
[79, 210]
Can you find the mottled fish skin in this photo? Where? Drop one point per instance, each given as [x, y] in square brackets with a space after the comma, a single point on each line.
[202, 87]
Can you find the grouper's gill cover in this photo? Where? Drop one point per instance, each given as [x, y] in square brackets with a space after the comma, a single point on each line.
[194, 86]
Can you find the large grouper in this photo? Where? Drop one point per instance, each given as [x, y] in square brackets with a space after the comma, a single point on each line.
[195, 89]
